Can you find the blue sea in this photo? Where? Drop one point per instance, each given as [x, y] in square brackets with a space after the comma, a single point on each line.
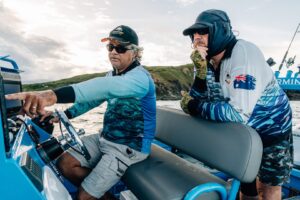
[91, 122]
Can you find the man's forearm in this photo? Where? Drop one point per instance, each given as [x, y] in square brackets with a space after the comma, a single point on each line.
[218, 111]
[199, 89]
[34, 102]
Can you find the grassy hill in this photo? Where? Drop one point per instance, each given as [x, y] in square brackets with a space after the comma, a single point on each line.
[169, 81]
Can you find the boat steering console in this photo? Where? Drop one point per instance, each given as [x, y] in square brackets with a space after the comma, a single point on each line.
[54, 147]
[28, 150]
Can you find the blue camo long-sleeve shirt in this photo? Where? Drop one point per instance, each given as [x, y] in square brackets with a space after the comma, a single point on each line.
[130, 117]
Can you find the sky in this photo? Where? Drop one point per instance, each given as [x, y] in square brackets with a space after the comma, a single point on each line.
[54, 39]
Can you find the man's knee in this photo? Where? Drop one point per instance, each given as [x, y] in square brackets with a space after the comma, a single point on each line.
[268, 192]
[66, 163]
[83, 195]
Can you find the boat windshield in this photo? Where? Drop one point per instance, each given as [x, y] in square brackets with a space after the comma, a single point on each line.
[10, 82]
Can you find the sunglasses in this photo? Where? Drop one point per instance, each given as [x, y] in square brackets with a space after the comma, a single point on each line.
[118, 48]
[201, 31]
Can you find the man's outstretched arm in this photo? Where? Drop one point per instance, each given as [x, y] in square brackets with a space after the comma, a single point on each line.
[34, 102]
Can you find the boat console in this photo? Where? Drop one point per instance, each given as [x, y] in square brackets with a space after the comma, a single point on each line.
[27, 150]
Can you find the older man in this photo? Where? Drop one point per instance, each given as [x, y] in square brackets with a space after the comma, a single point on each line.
[234, 83]
[129, 121]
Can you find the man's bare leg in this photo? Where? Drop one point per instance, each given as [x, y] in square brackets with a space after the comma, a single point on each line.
[83, 195]
[267, 192]
[71, 169]
[245, 197]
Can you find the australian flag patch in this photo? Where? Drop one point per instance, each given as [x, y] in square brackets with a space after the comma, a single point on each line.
[244, 81]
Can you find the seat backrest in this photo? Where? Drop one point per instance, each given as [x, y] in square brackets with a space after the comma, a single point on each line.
[233, 148]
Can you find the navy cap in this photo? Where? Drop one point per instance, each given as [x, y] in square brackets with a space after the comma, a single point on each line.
[123, 34]
[207, 19]
[218, 25]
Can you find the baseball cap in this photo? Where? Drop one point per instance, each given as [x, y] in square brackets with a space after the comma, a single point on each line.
[206, 19]
[123, 34]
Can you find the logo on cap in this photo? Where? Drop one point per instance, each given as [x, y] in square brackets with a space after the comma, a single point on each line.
[123, 34]
[118, 31]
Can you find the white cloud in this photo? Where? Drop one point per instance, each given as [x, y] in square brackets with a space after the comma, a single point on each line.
[186, 2]
[165, 55]
[87, 3]
[48, 40]
[170, 12]
[55, 39]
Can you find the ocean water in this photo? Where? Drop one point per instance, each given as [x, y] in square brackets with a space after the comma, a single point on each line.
[91, 121]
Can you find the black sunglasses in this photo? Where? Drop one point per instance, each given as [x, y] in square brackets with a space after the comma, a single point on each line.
[118, 48]
[202, 31]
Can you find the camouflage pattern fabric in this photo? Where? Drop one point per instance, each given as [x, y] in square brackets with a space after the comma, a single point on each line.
[200, 64]
[124, 122]
[277, 163]
[185, 101]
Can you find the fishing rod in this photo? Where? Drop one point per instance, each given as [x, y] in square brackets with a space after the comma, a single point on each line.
[286, 53]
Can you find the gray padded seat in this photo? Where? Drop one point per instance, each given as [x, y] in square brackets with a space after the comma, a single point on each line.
[165, 176]
[232, 148]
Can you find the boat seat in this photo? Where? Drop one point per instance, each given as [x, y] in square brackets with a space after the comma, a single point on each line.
[232, 148]
[165, 176]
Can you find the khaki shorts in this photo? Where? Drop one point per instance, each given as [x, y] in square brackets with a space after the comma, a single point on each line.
[108, 162]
